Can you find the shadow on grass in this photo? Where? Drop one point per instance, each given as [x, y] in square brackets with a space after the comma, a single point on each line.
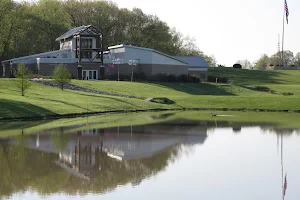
[194, 88]
[16, 109]
[57, 101]
[104, 97]
[253, 88]
[247, 77]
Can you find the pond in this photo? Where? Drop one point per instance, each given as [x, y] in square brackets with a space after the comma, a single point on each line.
[169, 156]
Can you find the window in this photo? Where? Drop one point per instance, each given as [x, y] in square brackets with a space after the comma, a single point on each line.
[94, 75]
[90, 75]
[86, 43]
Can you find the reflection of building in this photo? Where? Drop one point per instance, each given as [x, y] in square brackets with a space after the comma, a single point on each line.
[81, 153]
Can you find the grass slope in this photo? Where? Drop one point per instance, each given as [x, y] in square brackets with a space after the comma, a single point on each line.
[239, 94]
[43, 100]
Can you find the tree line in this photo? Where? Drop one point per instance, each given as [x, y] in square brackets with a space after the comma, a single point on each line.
[30, 28]
[289, 60]
[275, 60]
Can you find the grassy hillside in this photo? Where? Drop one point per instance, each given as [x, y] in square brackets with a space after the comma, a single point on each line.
[43, 100]
[256, 77]
[240, 93]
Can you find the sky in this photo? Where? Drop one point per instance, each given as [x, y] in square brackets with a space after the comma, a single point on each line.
[231, 30]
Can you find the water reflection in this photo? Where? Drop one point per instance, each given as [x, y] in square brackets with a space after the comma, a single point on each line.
[205, 158]
[91, 160]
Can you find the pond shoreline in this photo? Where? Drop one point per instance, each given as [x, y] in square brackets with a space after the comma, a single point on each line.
[74, 115]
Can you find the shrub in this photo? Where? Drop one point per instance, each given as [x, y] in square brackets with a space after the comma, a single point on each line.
[194, 78]
[114, 77]
[287, 94]
[40, 76]
[262, 88]
[22, 75]
[61, 76]
[237, 66]
[139, 76]
[162, 100]
[220, 79]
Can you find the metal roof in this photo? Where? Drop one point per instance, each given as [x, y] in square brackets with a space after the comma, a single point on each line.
[193, 61]
[147, 49]
[77, 31]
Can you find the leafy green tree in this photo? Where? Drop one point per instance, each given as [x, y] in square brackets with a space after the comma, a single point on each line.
[211, 60]
[7, 20]
[246, 64]
[22, 75]
[61, 76]
[297, 59]
[263, 62]
[60, 140]
[276, 59]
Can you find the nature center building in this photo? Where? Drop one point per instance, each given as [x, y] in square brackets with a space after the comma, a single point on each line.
[82, 53]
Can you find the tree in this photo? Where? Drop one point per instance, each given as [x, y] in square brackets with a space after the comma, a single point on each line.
[246, 64]
[211, 60]
[237, 66]
[276, 59]
[263, 62]
[22, 82]
[297, 59]
[61, 76]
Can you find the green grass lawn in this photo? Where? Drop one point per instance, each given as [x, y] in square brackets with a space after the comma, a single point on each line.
[240, 93]
[257, 77]
[43, 100]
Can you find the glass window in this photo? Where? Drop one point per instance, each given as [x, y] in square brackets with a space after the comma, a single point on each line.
[84, 75]
[86, 43]
[90, 75]
[95, 74]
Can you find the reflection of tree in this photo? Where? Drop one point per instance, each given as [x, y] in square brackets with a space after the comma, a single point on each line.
[60, 140]
[38, 171]
[18, 172]
[279, 131]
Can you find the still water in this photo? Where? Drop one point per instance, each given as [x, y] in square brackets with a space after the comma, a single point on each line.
[192, 159]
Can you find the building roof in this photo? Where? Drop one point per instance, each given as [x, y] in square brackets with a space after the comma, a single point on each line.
[193, 61]
[146, 49]
[35, 55]
[78, 30]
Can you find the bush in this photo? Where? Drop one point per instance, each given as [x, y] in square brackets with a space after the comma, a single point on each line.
[262, 88]
[287, 94]
[184, 78]
[40, 76]
[22, 75]
[162, 100]
[220, 79]
[139, 76]
[194, 79]
[61, 76]
[237, 66]
[114, 77]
